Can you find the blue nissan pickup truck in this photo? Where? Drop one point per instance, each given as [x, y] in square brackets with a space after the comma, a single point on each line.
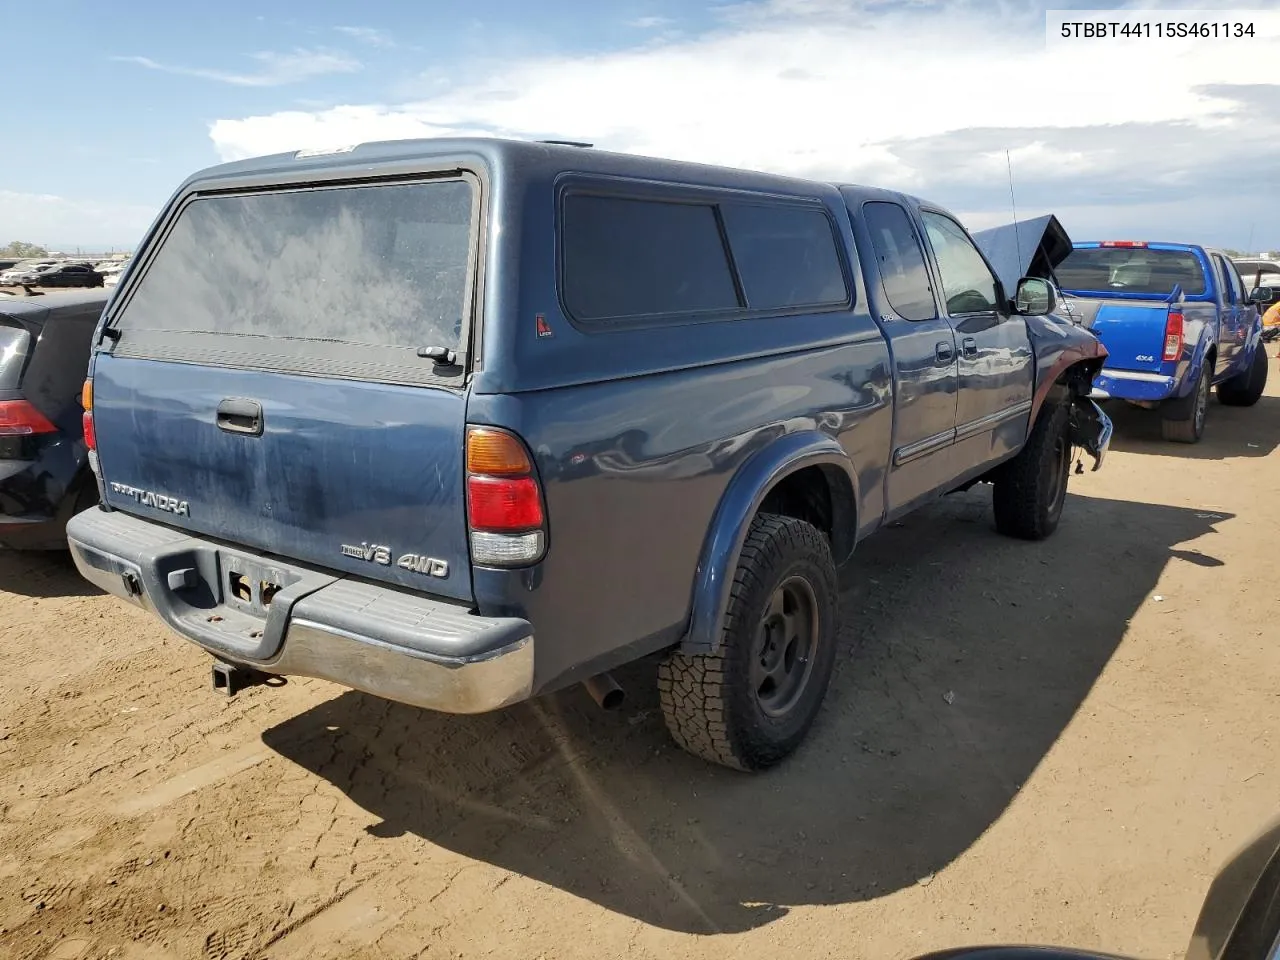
[1176, 322]
[461, 422]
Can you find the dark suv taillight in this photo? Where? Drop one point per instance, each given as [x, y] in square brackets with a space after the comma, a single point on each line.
[18, 418]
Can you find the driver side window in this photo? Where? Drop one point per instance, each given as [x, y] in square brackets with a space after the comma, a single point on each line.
[967, 284]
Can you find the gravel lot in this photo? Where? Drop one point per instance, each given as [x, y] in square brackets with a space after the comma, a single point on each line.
[1053, 742]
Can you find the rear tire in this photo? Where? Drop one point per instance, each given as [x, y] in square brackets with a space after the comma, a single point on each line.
[1245, 389]
[1031, 489]
[751, 703]
[1182, 420]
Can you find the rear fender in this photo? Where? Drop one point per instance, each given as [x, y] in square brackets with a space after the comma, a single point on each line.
[732, 519]
[1198, 359]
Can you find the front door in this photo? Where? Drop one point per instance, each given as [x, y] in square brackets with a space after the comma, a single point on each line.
[997, 366]
[924, 355]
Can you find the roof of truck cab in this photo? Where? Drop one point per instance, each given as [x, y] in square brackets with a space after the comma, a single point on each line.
[375, 158]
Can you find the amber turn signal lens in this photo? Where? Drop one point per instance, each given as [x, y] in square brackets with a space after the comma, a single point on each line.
[495, 453]
[86, 395]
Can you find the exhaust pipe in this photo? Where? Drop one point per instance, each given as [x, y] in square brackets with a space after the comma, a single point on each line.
[605, 691]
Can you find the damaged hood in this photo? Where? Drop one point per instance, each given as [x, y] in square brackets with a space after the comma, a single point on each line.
[1027, 248]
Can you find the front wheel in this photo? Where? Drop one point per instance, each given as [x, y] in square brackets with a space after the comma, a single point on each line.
[1245, 389]
[1031, 489]
[751, 703]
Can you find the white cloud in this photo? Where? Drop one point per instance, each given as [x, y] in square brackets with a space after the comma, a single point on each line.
[58, 223]
[834, 89]
[373, 36]
[649, 23]
[273, 68]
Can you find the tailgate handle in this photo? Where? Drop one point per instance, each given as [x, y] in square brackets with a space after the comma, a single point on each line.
[240, 416]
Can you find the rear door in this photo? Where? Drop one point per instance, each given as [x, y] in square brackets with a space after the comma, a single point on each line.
[924, 356]
[271, 380]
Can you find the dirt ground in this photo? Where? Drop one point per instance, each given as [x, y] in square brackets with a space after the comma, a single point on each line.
[1055, 742]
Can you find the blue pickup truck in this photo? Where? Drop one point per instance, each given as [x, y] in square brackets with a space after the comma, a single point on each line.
[1176, 321]
[461, 422]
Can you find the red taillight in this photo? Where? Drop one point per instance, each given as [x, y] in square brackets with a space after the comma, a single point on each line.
[1173, 336]
[18, 418]
[1123, 243]
[504, 504]
[504, 500]
[86, 419]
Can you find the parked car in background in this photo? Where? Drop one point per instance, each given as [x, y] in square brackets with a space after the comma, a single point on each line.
[44, 475]
[1258, 271]
[1176, 320]
[68, 275]
[8, 265]
[26, 268]
[448, 456]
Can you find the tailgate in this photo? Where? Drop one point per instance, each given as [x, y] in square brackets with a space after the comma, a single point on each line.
[271, 381]
[346, 475]
[1133, 333]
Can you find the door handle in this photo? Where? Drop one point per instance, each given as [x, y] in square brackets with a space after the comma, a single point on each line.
[240, 416]
[970, 347]
[944, 351]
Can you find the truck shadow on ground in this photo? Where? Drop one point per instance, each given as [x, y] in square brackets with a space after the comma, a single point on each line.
[1228, 432]
[42, 575]
[963, 656]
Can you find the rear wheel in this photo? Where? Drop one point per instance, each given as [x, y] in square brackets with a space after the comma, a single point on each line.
[1245, 389]
[1031, 489]
[1182, 420]
[751, 703]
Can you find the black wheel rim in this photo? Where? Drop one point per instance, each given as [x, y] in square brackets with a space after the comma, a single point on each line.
[1061, 469]
[1202, 403]
[786, 640]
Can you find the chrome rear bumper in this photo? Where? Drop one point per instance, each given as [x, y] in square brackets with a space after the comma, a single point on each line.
[391, 643]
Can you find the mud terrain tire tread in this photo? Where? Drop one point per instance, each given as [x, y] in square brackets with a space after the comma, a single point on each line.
[707, 703]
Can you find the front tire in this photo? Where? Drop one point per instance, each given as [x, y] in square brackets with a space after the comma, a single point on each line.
[751, 703]
[1245, 389]
[1031, 489]
[1182, 420]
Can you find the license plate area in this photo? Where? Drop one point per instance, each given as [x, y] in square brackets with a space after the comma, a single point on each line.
[250, 584]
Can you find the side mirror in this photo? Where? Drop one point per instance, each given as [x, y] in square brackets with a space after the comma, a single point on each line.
[1264, 296]
[1035, 297]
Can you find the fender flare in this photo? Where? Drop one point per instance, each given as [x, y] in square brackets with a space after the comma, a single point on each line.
[1197, 364]
[732, 519]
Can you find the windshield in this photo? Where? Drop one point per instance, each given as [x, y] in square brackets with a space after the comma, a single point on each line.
[1131, 270]
[383, 265]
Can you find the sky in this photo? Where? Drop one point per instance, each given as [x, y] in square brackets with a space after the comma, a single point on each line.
[946, 99]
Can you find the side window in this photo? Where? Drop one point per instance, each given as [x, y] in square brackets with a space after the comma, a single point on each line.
[1230, 281]
[967, 284]
[635, 258]
[901, 261]
[785, 255]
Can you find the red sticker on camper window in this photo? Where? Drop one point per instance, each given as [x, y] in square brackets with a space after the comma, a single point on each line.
[543, 329]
